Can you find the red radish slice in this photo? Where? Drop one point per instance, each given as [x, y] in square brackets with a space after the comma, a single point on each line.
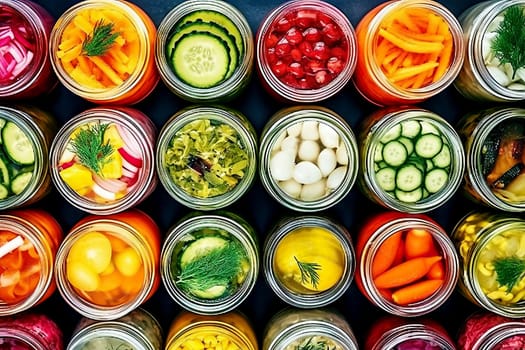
[103, 193]
[111, 185]
[130, 141]
[135, 161]
[128, 173]
[129, 180]
[66, 165]
[128, 166]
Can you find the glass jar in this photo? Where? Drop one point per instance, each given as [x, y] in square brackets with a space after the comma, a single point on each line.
[232, 330]
[29, 240]
[201, 84]
[482, 76]
[294, 328]
[407, 265]
[386, 73]
[210, 262]
[25, 170]
[412, 160]
[30, 331]
[27, 71]
[120, 175]
[494, 156]
[487, 331]
[396, 333]
[122, 73]
[305, 51]
[207, 156]
[136, 330]
[490, 247]
[309, 261]
[108, 265]
[308, 158]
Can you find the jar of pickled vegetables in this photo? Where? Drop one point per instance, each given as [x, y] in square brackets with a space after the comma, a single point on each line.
[396, 333]
[306, 51]
[136, 330]
[308, 158]
[186, 37]
[30, 331]
[491, 250]
[412, 160]
[210, 262]
[309, 261]
[29, 240]
[493, 140]
[320, 328]
[231, 331]
[408, 51]
[102, 160]
[104, 51]
[207, 156]
[108, 265]
[25, 67]
[406, 263]
[492, 71]
[488, 331]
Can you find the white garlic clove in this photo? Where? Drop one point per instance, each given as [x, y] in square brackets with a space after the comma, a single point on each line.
[329, 137]
[516, 87]
[486, 49]
[520, 72]
[313, 191]
[291, 187]
[310, 130]
[295, 129]
[290, 144]
[499, 75]
[277, 145]
[282, 165]
[306, 172]
[341, 154]
[336, 177]
[327, 161]
[309, 150]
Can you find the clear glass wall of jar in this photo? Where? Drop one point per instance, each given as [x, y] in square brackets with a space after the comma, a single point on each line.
[136, 330]
[123, 73]
[411, 159]
[495, 159]
[390, 239]
[120, 175]
[482, 76]
[26, 65]
[108, 265]
[30, 331]
[308, 158]
[220, 19]
[381, 79]
[309, 261]
[210, 262]
[207, 156]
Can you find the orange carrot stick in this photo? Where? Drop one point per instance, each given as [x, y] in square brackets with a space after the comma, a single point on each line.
[386, 254]
[407, 72]
[437, 271]
[416, 292]
[406, 272]
[418, 242]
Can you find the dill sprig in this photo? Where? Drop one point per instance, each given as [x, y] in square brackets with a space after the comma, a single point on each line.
[310, 345]
[101, 40]
[509, 43]
[309, 272]
[90, 148]
[509, 271]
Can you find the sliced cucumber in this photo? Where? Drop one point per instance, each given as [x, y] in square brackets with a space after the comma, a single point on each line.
[2, 123]
[409, 197]
[428, 145]
[392, 134]
[435, 180]
[20, 182]
[210, 293]
[408, 143]
[201, 247]
[4, 192]
[4, 172]
[386, 179]
[408, 178]
[17, 145]
[410, 128]
[442, 159]
[429, 128]
[394, 153]
[378, 154]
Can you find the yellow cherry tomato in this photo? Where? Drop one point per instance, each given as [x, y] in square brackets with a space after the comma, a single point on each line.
[128, 262]
[92, 249]
[82, 276]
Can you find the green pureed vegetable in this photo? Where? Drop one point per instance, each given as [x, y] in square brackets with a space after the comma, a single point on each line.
[206, 158]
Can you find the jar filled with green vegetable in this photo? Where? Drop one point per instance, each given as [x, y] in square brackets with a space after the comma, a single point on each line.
[207, 156]
[411, 159]
[309, 261]
[494, 66]
[495, 157]
[321, 329]
[210, 262]
[308, 158]
[491, 249]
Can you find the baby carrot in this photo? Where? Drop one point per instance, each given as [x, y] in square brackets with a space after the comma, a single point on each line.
[406, 272]
[416, 292]
[400, 254]
[386, 254]
[418, 242]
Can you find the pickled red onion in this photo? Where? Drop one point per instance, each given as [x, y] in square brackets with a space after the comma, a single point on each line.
[16, 52]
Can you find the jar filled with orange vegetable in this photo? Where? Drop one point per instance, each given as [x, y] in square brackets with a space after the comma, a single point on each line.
[231, 331]
[108, 265]
[29, 240]
[406, 263]
[104, 51]
[102, 160]
[308, 261]
[408, 51]
[494, 142]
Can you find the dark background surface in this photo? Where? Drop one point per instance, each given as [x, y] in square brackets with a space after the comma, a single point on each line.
[256, 206]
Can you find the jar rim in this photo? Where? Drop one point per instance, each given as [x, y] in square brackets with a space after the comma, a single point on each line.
[23, 335]
[400, 334]
[498, 333]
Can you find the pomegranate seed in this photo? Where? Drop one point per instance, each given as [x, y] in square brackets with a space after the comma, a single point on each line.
[332, 33]
[323, 20]
[271, 40]
[322, 77]
[293, 36]
[282, 25]
[312, 34]
[271, 56]
[314, 66]
[289, 80]
[305, 18]
[283, 48]
[306, 48]
[279, 68]
[321, 51]
[296, 55]
[306, 83]
[338, 52]
[335, 65]
[296, 69]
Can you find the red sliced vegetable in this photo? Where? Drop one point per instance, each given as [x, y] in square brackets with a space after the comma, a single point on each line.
[16, 47]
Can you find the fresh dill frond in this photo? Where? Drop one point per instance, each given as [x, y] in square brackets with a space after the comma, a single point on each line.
[309, 272]
[509, 271]
[101, 40]
[509, 43]
[310, 345]
[90, 148]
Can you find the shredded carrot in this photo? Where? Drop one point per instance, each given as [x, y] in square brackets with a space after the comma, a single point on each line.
[407, 72]
[409, 44]
[416, 292]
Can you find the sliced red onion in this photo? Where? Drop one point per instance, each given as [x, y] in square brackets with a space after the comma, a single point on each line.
[16, 51]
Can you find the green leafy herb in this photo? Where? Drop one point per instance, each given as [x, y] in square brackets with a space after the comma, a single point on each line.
[509, 43]
[309, 272]
[310, 345]
[90, 148]
[101, 40]
[509, 271]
